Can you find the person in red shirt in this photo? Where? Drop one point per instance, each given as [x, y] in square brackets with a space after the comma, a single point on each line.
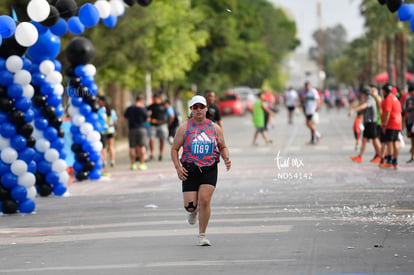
[391, 127]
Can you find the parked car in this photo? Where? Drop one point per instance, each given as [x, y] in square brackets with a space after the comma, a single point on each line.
[247, 95]
[230, 104]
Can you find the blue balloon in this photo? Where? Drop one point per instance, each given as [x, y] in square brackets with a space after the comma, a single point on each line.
[75, 26]
[58, 144]
[2, 64]
[7, 26]
[59, 189]
[87, 81]
[3, 117]
[4, 168]
[85, 109]
[23, 104]
[15, 91]
[110, 21]
[47, 88]
[27, 64]
[32, 167]
[18, 142]
[9, 180]
[27, 154]
[47, 47]
[80, 71]
[77, 166]
[54, 100]
[58, 65]
[38, 79]
[6, 78]
[92, 118]
[95, 174]
[44, 166]
[27, 206]
[95, 157]
[74, 130]
[79, 138]
[29, 116]
[60, 28]
[19, 193]
[94, 89]
[87, 147]
[89, 15]
[406, 12]
[41, 123]
[52, 178]
[38, 157]
[50, 133]
[62, 154]
[7, 129]
[77, 101]
[40, 28]
[59, 111]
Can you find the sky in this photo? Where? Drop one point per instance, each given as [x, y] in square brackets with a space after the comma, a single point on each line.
[333, 12]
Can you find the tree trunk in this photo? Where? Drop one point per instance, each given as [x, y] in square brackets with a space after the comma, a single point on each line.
[390, 61]
[119, 99]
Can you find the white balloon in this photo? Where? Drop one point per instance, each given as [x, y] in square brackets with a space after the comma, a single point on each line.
[73, 111]
[93, 136]
[42, 145]
[4, 142]
[78, 120]
[14, 63]
[8, 155]
[18, 167]
[51, 155]
[27, 180]
[37, 134]
[31, 192]
[90, 69]
[117, 7]
[38, 10]
[59, 89]
[47, 67]
[86, 128]
[26, 34]
[98, 146]
[104, 8]
[23, 77]
[59, 166]
[63, 176]
[54, 77]
[28, 91]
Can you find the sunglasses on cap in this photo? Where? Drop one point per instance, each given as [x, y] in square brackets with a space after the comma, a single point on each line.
[198, 106]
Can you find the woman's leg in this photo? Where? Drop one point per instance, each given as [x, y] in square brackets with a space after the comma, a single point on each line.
[204, 199]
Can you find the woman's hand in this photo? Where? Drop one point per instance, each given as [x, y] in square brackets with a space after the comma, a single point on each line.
[182, 173]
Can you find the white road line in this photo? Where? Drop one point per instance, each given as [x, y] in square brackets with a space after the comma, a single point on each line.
[148, 265]
[144, 233]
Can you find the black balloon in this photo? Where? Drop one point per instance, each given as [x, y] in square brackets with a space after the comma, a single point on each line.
[56, 122]
[9, 207]
[26, 130]
[90, 99]
[61, 132]
[53, 17]
[3, 92]
[70, 71]
[82, 175]
[76, 148]
[6, 104]
[88, 166]
[49, 112]
[144, 3]
[79, 51]
[4, 193]
[95, 107]
[82, 156]
[17, 117]
[130, 2]
[66, 8]
[10, 47]
[394, 5]
[44, 189]
[39, 100]
[31, 141]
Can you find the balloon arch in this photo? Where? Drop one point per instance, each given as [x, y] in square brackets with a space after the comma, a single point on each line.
[32, 155]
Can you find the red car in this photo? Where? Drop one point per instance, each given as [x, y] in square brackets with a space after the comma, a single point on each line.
[230, 104]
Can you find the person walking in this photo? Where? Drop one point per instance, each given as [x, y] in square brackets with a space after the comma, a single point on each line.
[111, 119]
[369, 109]
[291, 98]
[409, 118]
[101, 100]
[158, 126]
[213, 111]
[173, 120]
[311, 106]
[137, 117]
[260, 109]
[202, 143]
[391, 126]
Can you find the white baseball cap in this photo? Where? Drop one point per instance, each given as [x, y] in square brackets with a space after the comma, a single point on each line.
[198, 99]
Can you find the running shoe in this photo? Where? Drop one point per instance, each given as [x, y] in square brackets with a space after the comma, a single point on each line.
[385, 165]
[134, 166]
[357, 159]
[376, 160]
[203, 241]
[192, 217]
[395, 166]
[142, 166]
[410, 161]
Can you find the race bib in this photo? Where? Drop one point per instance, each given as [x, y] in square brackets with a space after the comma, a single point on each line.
[201, 145]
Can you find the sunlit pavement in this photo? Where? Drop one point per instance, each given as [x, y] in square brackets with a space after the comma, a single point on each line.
[322, 214]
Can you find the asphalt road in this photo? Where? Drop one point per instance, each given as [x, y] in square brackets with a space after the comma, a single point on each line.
[288, 208]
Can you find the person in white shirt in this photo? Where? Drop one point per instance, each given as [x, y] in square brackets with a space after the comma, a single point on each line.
[312, 104]
[291, 98]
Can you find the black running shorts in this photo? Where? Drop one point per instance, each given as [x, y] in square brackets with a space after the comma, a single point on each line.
[198, 176]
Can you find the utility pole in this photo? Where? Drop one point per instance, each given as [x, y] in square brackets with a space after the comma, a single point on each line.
[321, 71]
